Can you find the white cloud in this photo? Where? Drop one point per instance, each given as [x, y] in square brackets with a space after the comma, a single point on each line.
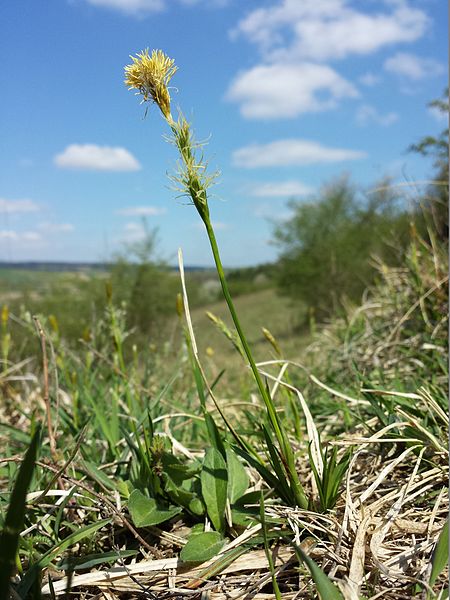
[297, 38]
[208, 3]
[367, 114]
[141, 211]
[18, 206]
[96, 158]
[140, 8]
[132, 232]
[268, 210]
[31, 236]
[291, 152]
[439, 115]
[280, 189]
[324, 30]
[20, 236]
[413, 67]
[8, 234]
[284, 91]
[131, 7]
[369, 79]
[48, 227]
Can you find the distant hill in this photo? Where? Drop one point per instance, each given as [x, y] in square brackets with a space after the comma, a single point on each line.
[58, 267]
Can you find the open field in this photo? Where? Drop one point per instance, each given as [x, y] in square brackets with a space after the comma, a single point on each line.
[150, 484]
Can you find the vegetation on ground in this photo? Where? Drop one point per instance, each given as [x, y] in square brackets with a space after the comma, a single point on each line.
[138, 472]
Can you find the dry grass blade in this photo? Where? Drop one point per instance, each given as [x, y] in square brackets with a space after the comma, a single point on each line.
[154, 572]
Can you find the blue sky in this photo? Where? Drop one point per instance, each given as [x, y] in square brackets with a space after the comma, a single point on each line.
[289, 93]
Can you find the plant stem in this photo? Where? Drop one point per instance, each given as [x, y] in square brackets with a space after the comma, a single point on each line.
[285, 448]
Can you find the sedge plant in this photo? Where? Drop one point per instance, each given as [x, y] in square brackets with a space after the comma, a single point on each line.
[150, 75]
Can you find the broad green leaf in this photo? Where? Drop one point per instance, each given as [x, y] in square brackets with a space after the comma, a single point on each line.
[214, 481]
[245, 511]
[202, 546]
[197, 507]
[238, 481]
[440, 555]
[183, 497]
[146, 511]
[9, 539]
[179, 472]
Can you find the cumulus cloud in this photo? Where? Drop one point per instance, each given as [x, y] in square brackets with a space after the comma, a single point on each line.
[268, 210]
[141, 211]
[91, 157]
[132, 232]
[439, 115]
[298, 39]
[141, 8]
[20, 236]
[323, 30]
[131, 7]
[280, 189]
[369, 79]
[413, 67]
[284, 91]
[49, 227]
[18, 206]
[291, 152]
[367, 114]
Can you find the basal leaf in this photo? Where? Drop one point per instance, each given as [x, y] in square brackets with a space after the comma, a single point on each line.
[214, 481]
[146, 511]
[238, 481]
[202, 546]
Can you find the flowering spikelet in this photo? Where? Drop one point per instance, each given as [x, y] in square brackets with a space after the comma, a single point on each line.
[150, 75]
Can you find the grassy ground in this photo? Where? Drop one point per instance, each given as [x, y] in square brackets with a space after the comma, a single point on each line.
[258, 310]
[142, 490]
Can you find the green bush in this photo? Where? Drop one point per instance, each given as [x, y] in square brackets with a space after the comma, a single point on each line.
[328, 243]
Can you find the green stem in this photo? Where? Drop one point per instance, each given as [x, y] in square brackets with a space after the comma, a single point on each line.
[286, 450]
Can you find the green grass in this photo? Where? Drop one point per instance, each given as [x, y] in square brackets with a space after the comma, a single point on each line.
[258, 310]
[127, 488]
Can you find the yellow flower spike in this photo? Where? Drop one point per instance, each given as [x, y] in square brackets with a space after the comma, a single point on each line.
[150, 75]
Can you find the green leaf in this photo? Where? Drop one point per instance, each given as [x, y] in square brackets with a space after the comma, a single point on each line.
[214, 482]
[202, 546]
[262, 515]
[326, 588]
[146, 511]
[91, 560]
[238, 481]
[179, 472]
[245, 511]
[213, 433]
[439, 559]
[15, 516]
[183, 497]
[99, 476]
[46, 559]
